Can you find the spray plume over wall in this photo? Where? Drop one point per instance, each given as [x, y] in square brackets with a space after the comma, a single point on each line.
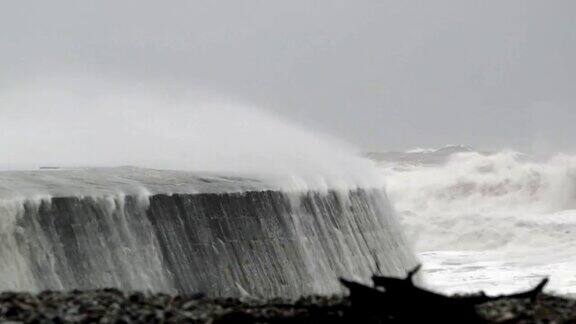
[90, 123]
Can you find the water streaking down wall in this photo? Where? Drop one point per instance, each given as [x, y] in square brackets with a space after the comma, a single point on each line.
[183, 232]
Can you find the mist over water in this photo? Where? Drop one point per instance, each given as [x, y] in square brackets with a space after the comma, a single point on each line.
[89, 122]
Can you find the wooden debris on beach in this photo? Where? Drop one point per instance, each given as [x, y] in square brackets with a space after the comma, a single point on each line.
[401, 299]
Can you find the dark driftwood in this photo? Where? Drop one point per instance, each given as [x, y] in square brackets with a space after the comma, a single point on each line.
[401, 299]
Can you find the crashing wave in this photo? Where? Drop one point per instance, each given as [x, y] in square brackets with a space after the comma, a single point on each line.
[173, 231]
[480, 200]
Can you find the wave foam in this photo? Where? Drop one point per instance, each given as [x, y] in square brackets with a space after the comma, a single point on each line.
[481, 200]
[488, 221]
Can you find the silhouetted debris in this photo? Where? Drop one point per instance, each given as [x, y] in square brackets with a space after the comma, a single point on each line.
[394, 299]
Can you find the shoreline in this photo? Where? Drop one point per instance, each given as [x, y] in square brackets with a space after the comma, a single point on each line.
[112, 305]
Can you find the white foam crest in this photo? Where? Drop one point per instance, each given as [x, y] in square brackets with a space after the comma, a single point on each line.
[485, 201]
[421, 150]
[475, 182]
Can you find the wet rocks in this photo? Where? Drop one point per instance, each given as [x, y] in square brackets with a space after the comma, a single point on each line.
[110, 305]
[114, 306]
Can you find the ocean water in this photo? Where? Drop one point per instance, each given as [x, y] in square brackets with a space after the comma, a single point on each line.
[492, 221]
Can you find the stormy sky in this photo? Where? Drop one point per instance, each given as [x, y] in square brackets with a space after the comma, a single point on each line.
[380, 74]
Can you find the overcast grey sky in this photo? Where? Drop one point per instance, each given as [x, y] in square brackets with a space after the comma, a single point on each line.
[382, 74]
